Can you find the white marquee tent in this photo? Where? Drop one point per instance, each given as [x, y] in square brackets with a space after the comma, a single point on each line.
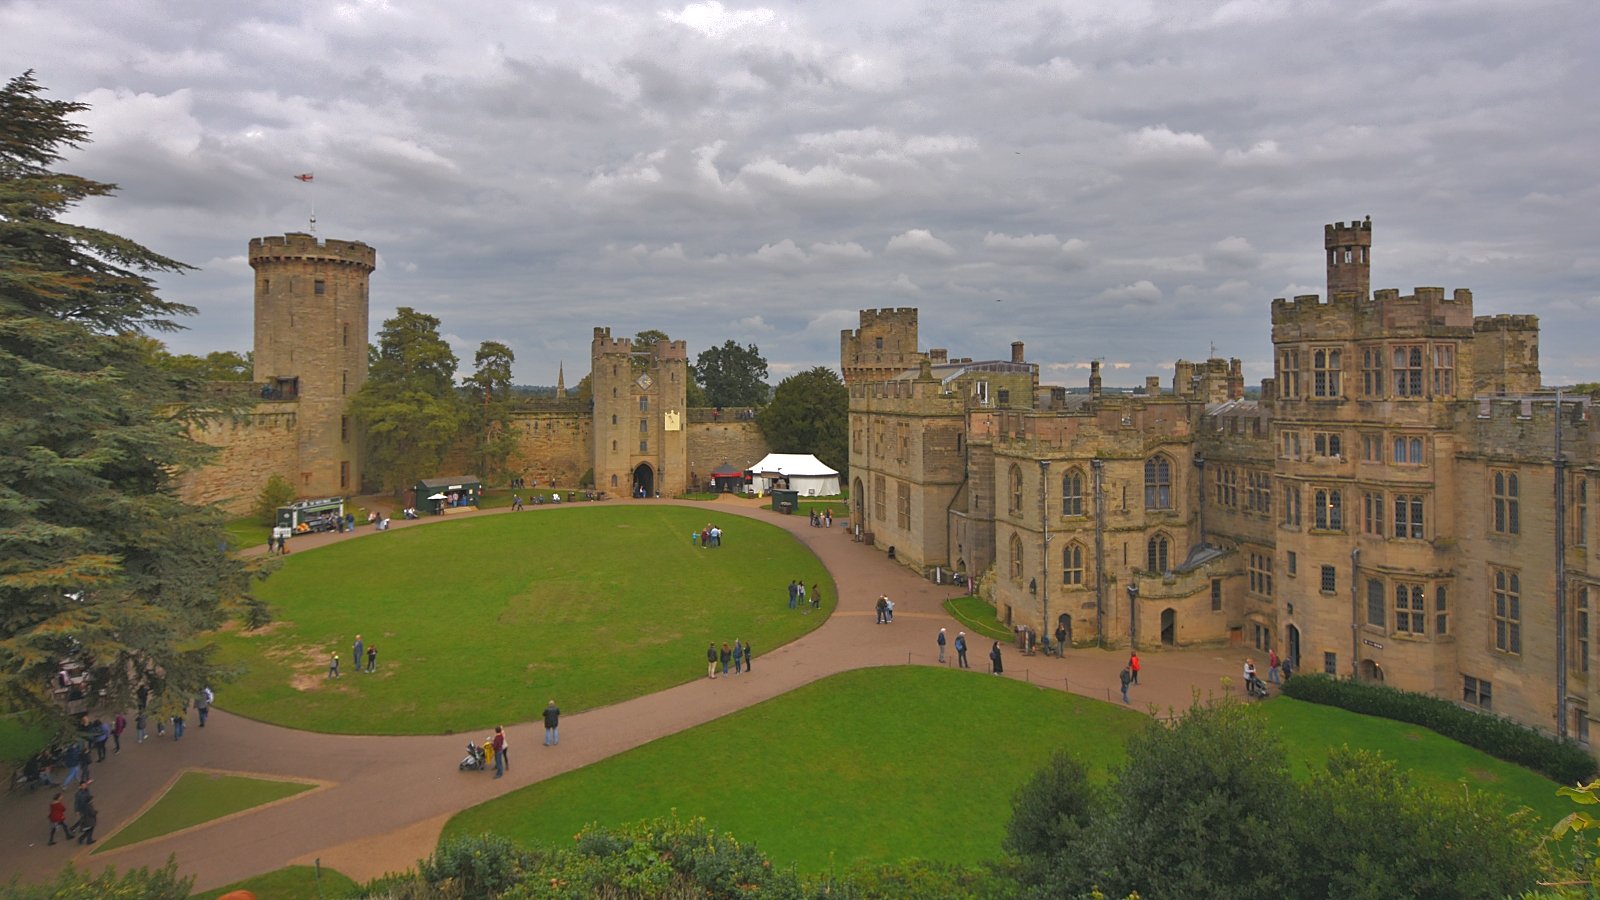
[805, 473]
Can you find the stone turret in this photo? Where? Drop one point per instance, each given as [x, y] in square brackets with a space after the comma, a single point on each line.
[1349, 257]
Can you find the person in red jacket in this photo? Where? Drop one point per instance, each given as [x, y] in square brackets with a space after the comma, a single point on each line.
[1133, 666]
[58, 818]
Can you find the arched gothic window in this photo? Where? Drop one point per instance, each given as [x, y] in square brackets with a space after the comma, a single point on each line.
[1157, 483]
[1156, 554]
[1072, 493]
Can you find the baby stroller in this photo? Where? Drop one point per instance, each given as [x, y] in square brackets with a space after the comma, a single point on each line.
[474, 761]
[1256, 688]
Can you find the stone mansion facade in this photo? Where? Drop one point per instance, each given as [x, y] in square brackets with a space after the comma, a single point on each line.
[1404, 501]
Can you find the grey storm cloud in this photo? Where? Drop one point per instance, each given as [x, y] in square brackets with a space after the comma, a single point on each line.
[1125, 179]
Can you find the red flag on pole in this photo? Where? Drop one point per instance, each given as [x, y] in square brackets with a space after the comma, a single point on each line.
[305, 176]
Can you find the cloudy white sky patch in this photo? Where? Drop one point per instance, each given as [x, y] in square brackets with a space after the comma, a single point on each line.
[1125, 179]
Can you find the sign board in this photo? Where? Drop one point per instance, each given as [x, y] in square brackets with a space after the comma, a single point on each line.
[1373, 644]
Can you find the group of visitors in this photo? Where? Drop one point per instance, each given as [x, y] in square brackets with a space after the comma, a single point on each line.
[885, 609]
[95, 740]
[709, 536]
[960, 646]
[360, 653]
[799, 598]
[740, 656]
[278, 540]
[822, 519]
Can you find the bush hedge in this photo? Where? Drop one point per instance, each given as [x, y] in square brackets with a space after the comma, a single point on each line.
[1501, 738]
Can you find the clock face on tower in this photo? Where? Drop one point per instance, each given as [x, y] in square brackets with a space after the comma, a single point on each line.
[644, 382]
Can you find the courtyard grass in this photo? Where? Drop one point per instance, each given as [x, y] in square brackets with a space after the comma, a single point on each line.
[875, 764]
[20, 740]
[198, 797]
[977, 616]
[481, 620]
[879, 765]
[289, 883]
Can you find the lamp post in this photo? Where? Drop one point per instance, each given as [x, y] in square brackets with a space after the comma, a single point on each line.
[1044, 557]
[1133, 613]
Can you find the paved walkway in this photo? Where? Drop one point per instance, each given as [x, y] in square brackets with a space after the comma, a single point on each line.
[384, 800]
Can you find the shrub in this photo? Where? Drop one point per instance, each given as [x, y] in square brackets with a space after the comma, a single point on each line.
[72, 883]
[1500, 738]
[484, 865]
[275, 493]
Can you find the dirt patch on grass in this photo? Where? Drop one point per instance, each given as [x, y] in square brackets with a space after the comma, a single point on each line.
[237, 627]
[305, 683]
[1413, 735]
[1483, 775]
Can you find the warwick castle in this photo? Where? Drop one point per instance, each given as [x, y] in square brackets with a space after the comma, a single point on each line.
[1402, 502]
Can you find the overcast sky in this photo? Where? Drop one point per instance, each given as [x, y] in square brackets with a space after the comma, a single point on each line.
[1127, 180]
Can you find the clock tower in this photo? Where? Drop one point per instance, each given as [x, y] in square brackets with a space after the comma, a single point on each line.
[640, 420]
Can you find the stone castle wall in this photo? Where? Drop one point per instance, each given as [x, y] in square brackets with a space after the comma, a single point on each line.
[251, 449]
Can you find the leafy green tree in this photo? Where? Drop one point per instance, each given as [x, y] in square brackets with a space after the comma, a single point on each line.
[73, 883]
[275, 493]
[1052, 828]
[408, 404]
[732, 375]
[1364, 831]
[810, 413]
[643, 343]
[1199, 809]
[100, 562]
[218, 365]
[491, 392]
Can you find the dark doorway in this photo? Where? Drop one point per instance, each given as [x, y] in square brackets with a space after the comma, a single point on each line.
[858, 497]
[644, 478]
[1169, 626]
[1371, 670]
[1065, 620]
[1294, 647]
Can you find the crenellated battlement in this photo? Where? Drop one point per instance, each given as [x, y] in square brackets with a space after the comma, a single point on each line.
[1504, 322]
[300, 246]
[888, 316]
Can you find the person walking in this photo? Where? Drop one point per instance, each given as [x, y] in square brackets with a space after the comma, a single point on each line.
[711, 660]
[99, 736]
[961, 649]
[941, 646]
[499, 744]
[552, 719]
[1126, 677]
[359, 654]
[202, 704]
[141, 726]
[738, 656]
[87, 820]
[118, 726]
[71, 760]
[726, 657]
[58, 818]
[82, 801]
[1133, 665]
[177, 724]
[1273, 662]
[333, 666]
[995, 663]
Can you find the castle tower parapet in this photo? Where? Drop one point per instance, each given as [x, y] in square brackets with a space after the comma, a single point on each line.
[884, 346]
[1349, 249]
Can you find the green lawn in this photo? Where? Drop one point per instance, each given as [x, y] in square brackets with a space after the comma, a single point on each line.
[482, 620]
[876, 764]
[977, 616]
[245, 532]
[890, 763]
[198, 797]
[291, 883]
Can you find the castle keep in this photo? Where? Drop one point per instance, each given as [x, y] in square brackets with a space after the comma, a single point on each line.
[1403, 501]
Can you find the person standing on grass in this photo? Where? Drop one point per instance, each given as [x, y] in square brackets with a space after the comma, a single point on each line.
[711, 660]
[1133, 665]
[794, 594]
[552, 719]
[941, 646]
[995, 664]
[961, 649]
[58, 818]
[358, 655]
[499, 751]
[816, 597]
[372, 659]
[726, 657]
[1126, 677]
[800, 593]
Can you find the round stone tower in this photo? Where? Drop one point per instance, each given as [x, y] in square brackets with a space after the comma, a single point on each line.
[311, 348]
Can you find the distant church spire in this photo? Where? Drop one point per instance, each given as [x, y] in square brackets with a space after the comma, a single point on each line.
[561, 380]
